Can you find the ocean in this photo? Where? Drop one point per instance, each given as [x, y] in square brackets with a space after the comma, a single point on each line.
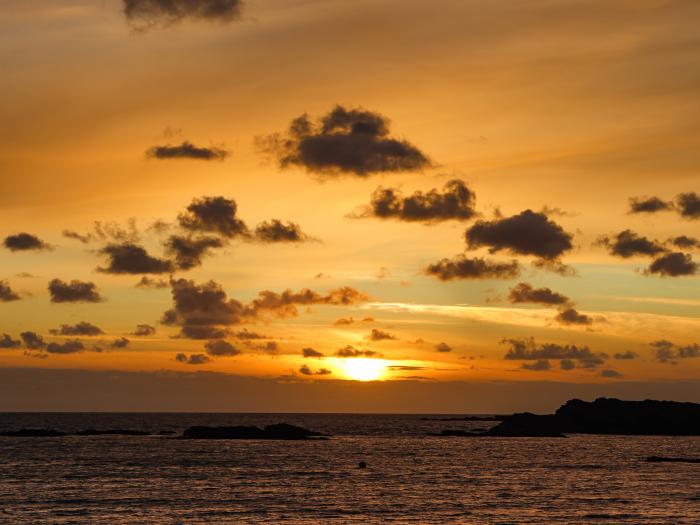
[411, 477]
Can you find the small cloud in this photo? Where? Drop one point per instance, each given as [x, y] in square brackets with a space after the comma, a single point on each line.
[213, 215]
[187, 150]
[380, 335]
[219, 347]
[144, 330]
[311, 353]
[71, 346]
[476, 268]
[610, 373]
[688, 205]
[525, 293]
[6, 293]
[151, 283]
[571, 316]
[443, 347]
[305, 370]
[351, 351]
[82, 328]
[73, 292]
[539, 365]
[121, 342]
[24, 242]
[193, 359]
[188, 252]
[674, 264]
[7, 342]
[145, 14]
[625, 355]
[128, 258]
[275, 231]
[627, 244]
[32, 340]
[649, 205]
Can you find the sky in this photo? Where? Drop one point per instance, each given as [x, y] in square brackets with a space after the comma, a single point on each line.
[306, 205]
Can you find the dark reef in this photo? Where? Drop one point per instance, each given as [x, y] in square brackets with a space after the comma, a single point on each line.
[278, 431]
[602, 416]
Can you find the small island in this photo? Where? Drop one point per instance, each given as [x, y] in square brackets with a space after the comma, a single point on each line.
[279, 431]
[602, 416]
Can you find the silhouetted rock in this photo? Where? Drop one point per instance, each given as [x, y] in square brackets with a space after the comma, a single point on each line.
[166, 432]
[112, 432]
[33, 432]
[278, 431]
[602, 416]
[460, 433]
[466, 418]
[661, 459]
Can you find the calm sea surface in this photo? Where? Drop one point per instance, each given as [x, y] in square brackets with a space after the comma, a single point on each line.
[411, 477]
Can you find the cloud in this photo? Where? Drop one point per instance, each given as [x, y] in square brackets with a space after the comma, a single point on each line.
[567, 364]
[24, 242]
[443, 347]
[571, 316]
[144, 330]
[667, 352]
[688, 205]
[455, 202]
[73, 292]
[305, 370]
[246, 335]
[277, 231]
[149, 282]
[351, 351]
[625, 355]
[610, 373]
[380, 335]
[525, 293]
[130, 258]
[346, 321]
[81, 328]
[69, 234]
[674, 264]
[528, 233]
[107, 231]
[649, 205]
[32, 340]
[354, 141]
[187, 150]
[539, 365]
[311, 353]
[627, 244]
[474, 268]
[120, 342]
[6, 293]
[529, 350]
[7, 342]
[685, 242]
[143, 14]
[205, 312]
[193, 359]
[213, 215]
[71, 346]
[219, 347]
[188, 251]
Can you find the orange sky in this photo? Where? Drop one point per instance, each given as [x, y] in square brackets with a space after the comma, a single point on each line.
[566, 109]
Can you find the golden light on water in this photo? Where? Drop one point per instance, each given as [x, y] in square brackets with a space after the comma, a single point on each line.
[362, 369]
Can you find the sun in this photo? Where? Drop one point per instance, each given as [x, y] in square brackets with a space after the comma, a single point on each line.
[362, 369]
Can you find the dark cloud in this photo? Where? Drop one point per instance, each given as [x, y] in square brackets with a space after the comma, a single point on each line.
[346, 321]
[149, 282]
[667, 352]
[610, 373]
[406, 368]
[147, 13]
[354, 141]
[144, 330]
[205, 312]
[23, 242]
[443, 347]
[73, 292]
[571, 316]
[26, 275]
[7, 342]
[246, 335]
[684, 242]
[81, 328]
[84, 238]
[380, 335]
[625, 355]
[311, 353]
[32, 340]
[528, 233]
[107, 231]
[187, 150]
[628, 244]
[6, 293]
[71, 346]
[193, 359]
[475, 268]
[130, 258]
[189, 251]
[525, 293]
[305, 370]
[351, 351]
[213, 215]
[674, 264]
[219, 347]
[277, 231]
[688, 205]
[120, 342]
[649, 205]
[528, 350]
[567, 364]
[455, 202]
[539, 365]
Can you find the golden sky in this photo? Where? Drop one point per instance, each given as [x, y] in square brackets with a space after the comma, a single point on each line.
[458, 192]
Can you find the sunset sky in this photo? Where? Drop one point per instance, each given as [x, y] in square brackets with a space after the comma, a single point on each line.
[480, 205]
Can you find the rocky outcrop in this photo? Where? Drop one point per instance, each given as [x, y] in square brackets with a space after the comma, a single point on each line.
[661, 459]
[281, 431]
[33, 432]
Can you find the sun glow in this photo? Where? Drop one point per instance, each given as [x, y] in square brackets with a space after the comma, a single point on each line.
[362, 369]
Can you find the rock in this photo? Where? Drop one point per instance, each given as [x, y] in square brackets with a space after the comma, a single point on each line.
[661, 459]
[112, 432]
[33, 432]
[527, 425]
[278, 431]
